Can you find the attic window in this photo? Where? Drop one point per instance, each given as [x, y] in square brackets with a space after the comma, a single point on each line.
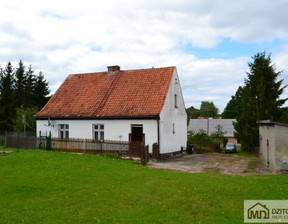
[176, 81]
[173, 128]
[175, 101]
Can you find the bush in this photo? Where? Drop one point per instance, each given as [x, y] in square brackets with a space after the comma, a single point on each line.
[2, 142]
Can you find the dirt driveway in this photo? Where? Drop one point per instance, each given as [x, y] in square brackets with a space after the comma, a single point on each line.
[230, 164]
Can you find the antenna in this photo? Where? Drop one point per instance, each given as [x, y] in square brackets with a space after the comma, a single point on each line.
[49, 123]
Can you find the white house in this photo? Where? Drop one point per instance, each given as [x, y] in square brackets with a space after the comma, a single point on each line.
[145, 104]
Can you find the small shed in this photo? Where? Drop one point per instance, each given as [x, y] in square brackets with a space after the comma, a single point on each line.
[273, 142]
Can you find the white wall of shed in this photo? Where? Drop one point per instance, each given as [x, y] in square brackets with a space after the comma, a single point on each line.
[281, 147]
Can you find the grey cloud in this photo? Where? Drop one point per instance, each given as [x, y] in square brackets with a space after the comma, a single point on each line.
[13, 30]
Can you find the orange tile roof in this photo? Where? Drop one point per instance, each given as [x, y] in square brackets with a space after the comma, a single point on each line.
[124, 94]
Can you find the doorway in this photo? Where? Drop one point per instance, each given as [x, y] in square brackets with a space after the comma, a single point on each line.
[137, 133]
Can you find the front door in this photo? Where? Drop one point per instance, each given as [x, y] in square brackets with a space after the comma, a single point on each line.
[136, 139]
[137, 133]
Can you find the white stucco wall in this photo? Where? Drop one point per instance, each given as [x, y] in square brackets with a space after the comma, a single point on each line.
[113, 129]
[169, 141]
[276, 153]
[281, 148]
[267, 145]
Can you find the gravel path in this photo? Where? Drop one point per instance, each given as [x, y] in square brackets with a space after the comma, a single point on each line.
[230, 164]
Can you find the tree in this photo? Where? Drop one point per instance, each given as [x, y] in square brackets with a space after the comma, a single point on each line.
[230, 111]
[201, 137]
[40, 90]
[20, 91]
[20, 85]
[7, 98]
[259, 100]
[25, 120]
[29, 88]
[208, 109]
[218, 135]
[192, 113]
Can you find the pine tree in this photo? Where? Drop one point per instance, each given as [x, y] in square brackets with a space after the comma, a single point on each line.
[230, 111]
[40, 91]
[259, 100]
[7, 98]
[29, 88]
[20, 85]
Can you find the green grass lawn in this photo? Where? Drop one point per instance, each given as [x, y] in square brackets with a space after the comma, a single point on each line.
[55, 187]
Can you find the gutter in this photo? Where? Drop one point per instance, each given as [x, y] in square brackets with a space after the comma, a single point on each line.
[145, 117]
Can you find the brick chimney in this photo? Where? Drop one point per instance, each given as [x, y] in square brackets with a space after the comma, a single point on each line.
[113, 69]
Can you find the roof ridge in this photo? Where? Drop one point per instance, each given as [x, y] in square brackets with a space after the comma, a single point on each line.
[145, 69]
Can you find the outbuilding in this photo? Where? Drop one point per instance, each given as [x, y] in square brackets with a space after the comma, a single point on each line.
[273, 142]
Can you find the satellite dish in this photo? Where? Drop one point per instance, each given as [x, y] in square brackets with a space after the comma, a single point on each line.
[49, 123]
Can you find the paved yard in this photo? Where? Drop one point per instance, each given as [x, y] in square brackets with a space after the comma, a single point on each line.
[231, 164]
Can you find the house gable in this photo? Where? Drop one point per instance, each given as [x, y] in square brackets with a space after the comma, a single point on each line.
[173, 119]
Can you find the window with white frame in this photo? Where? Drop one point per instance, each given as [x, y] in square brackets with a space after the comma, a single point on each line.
[63, 131]
[98, 132]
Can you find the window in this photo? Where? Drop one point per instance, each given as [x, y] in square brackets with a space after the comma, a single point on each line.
[175, 101]
[98, 132]
[176, 81]
[173, 128]
[64, 131]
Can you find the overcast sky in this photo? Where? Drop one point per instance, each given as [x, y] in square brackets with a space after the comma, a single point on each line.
[209, 41]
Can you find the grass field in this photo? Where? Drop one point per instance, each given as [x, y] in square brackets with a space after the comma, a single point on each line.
[55, 187]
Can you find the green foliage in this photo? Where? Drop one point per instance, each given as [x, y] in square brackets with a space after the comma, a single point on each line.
[230, 111]
[7, 98]
[258, 100]
[20, 89]
[205, 143]
[192, 112]
[284, 115]
[25, 118]
[201, 136]
[208, 109]
[218, 135]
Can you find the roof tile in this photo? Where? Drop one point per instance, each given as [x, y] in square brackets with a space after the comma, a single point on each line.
[131, 93]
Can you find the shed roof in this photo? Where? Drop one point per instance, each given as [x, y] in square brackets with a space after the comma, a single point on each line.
[116, 94]
[211, 124]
